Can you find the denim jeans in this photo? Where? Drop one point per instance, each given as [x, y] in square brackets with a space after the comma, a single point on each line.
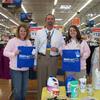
[20, 84]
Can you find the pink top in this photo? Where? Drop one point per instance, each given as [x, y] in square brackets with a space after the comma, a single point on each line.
[84, 50]
[10, 49]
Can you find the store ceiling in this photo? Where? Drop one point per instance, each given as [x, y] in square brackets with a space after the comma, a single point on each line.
[40, 8]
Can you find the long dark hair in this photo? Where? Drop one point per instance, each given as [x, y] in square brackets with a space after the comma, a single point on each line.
[78, 36]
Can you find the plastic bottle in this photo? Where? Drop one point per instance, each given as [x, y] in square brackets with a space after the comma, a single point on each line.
[82, 84]
[68, 85]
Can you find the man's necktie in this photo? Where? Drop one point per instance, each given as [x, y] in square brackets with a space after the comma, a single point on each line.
[49, 36]
[49, 40]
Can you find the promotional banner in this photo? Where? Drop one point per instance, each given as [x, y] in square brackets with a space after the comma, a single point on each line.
[95, 32]
[71, 60]
[11, 3]
[25, 17]
[25, 57]
[75, 21]
[33, 31]
[90, 23]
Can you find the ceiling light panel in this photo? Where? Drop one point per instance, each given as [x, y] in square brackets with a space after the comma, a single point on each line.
[58, 19]
[55, 2]
[3, 15]
[53, 11]
[65, 7]
[22, 6]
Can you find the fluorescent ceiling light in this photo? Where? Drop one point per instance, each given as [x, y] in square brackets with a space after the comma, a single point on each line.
[88, 27]
[22, 6]
[66, 7]
[3, 25]
[91, 19]
[88, 2]
[3, 15]
[91, 14]
[8, 18]
[58, 19]
[14, 22]
[53, 11]
[97, 24]
[95, 17]
[55, 2]
[81, 24]
[70, 19]
[84, 29]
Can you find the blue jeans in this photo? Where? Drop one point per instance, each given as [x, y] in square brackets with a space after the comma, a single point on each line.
[20, 84]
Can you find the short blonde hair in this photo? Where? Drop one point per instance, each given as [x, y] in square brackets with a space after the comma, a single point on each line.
[27, 31]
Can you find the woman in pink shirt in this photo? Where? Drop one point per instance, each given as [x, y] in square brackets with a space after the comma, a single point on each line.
[74, 41]
[19, 75]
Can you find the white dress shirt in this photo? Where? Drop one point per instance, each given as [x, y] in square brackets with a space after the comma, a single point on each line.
[41, 40]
